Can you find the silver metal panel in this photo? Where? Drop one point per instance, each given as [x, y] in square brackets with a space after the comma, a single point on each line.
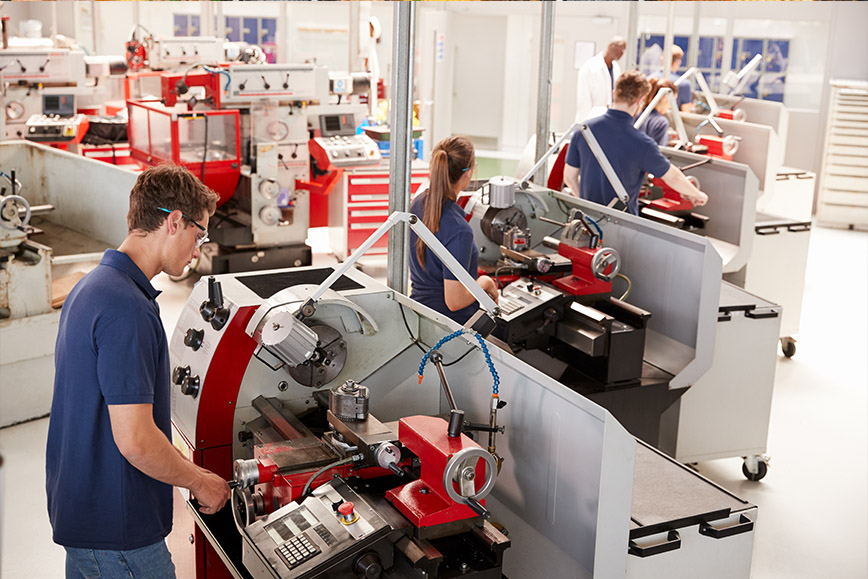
[27, 366]
[731, 208]
[90, 197]
[675, 275]
[759, 112]
[760, 148]
[565, 457]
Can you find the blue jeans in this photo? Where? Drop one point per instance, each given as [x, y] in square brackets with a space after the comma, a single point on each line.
[152, 562]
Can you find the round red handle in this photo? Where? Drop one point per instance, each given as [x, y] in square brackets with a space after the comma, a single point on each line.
[346, 509]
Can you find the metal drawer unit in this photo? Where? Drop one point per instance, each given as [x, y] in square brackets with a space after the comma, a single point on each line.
[843, 198]
[359, 205]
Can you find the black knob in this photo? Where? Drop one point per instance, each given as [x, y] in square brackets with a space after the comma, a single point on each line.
[194, 338]
[190, 386]
[244, 435]
[179, 373]
[368, 566]
[212, 309]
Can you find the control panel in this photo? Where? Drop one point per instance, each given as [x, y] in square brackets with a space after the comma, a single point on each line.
[56, 129]
[170, 52]
[43, 65]
[524, 295]
[350, 150]
[281, 82]
[333, 531]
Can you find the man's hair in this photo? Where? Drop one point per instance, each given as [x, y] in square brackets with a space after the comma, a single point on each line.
[677, 53]
[656, 84]
[631, 86]
[171, 187]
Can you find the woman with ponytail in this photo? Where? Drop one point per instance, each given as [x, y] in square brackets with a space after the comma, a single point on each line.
[452, 163]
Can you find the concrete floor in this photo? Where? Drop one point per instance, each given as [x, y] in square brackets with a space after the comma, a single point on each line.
[813, 505]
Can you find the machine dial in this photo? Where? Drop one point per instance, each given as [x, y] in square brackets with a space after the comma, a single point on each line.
[277, 130]
[193, 338]
[179, 373]
[14, 110]
[190, 386]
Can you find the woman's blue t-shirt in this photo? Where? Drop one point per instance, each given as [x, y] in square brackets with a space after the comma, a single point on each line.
[656, 126]
[455, 234]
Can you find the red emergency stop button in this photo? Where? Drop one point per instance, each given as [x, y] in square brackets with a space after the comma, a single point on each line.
[348, 513]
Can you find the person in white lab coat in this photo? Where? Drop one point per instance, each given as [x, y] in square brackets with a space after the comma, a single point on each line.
[597, 79]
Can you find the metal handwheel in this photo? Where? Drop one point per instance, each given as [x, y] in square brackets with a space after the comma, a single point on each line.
[604, 258]
[10, 213]
[461, 469]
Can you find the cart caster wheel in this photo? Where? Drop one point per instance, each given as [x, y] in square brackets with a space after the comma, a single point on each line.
[762, 471]
[788, 346]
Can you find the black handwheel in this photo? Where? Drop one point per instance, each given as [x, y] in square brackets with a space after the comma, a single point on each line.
[762, 470]
[788, 346]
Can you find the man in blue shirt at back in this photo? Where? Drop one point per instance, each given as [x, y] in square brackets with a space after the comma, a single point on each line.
[631, 153]
[109, 464]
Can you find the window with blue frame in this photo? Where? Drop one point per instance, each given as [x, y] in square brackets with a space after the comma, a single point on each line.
[769, 80]
[259, 31]
[186, 25]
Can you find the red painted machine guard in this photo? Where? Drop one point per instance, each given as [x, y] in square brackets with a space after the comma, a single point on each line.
[582, 281]
[426, 437]
[556, 177]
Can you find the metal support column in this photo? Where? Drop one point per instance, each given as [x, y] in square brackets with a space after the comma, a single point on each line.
[632, 36]
[355, 31]
[401, 117]
[668, 40]
[693, 53]
[544, 88]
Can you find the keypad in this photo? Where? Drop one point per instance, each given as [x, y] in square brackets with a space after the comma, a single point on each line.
[297, 550]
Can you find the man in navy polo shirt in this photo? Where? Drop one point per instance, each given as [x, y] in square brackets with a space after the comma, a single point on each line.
[631, 153]
[110, 466]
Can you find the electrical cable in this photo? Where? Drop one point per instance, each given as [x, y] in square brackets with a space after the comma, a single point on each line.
[629, 286]
[219, 71]
[416, 342]
[409, 331]
[497, 274]
[596, 225]
[341, 462]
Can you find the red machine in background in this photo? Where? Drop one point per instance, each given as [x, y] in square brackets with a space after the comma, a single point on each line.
[205, 142]
[271, 139]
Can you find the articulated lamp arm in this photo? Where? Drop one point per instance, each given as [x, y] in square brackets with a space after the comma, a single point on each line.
[428, 238]
[605, 165]
[703, 88]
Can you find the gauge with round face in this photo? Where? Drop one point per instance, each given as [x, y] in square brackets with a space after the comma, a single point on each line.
[14, 110]
[277, 130]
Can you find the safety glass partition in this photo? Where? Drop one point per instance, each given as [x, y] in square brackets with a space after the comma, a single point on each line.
[214, 142]
[711, 43]
[139, 134]
[794, 59]
[161, 135]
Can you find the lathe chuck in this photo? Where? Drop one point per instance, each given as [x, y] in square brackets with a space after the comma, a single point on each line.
[327, 361]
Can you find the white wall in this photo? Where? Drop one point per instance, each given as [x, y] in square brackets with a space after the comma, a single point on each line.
[496, 87]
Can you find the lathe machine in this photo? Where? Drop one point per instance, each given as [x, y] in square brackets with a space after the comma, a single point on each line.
[367, 435]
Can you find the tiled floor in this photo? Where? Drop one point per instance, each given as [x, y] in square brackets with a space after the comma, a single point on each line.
[813, 516]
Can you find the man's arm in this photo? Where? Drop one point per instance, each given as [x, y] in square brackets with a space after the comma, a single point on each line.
[571, 178]
[146, 447]
[676, 179]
